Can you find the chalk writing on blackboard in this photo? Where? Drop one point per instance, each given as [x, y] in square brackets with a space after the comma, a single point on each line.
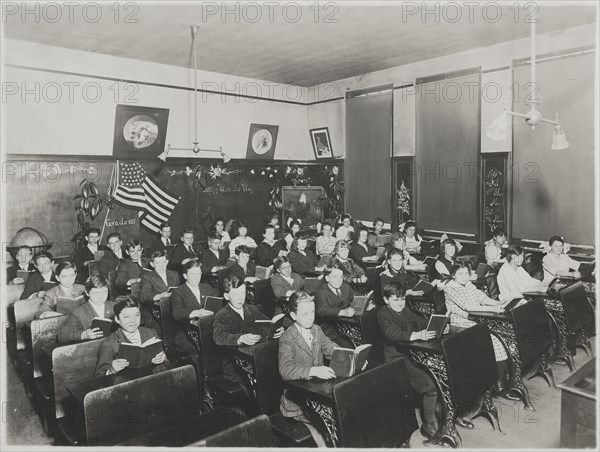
[228, 188]
[494, 200]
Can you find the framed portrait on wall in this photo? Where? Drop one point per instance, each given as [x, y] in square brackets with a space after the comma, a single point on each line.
[139, 131]
[261, 141]
[321, 143]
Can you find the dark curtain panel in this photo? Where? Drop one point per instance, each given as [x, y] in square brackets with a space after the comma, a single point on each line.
[447, 178]
[368, 168]
[553, 191]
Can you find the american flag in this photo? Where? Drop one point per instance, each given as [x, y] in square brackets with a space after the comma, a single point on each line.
[138, 189]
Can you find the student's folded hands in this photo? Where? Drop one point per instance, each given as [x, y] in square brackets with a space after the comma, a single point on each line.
[91, 333]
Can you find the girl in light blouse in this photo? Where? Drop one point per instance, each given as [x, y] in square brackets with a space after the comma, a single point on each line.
[343, 232]
[463, 297]
[241, 239]
[411, 263]
[326, 242]
[556, 263]
[413, 240]
[513, 280]
[495, 246]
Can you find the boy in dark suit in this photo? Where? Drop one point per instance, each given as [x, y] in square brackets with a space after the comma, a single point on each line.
[234, 324]
[301, 350]
[79, 325]
[188, 302]
[23, 262]
[213, 259]
[154, 285]
[183, 251]
[86, 254]
[127, 315]
[164, 241]
[130, 269]
[399, 323]
[39, 282]
[111, 258]
[333, 299]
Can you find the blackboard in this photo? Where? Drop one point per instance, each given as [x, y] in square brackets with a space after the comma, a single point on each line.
[494, 193]
[39, 195]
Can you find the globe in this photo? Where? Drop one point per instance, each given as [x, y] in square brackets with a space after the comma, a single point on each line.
[30, 237]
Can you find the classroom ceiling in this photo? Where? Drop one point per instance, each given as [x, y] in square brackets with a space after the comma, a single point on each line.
[284, 44]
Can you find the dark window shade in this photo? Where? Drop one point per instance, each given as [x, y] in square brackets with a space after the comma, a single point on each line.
[368, 169]
[553, 191]
[446, 177]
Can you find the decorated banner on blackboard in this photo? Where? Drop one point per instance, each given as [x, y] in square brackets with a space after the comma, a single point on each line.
[494, 194]
[124, 221]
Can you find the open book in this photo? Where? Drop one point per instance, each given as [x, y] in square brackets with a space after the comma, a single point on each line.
[171, 289]
[213, 304]
[23, 274]
[105, 325]
[359, 303]
[68, 305]
[425, 286]
[267, 328]
[438, 323]
[140, 355]
[377, 256]
[263, 272]
[555, 285]
[345, 362]
[515, 303]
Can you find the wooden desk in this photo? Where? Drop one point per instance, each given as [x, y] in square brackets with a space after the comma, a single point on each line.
[430, 356]
[81, 389]
[524, 353]
[578, 408]
[318, 397]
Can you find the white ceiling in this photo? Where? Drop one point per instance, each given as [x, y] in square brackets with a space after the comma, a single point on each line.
[345, 40]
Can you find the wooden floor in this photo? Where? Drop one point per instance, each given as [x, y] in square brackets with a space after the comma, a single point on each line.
[520, 429]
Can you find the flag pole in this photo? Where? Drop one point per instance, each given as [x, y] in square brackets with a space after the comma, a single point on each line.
[110, 190]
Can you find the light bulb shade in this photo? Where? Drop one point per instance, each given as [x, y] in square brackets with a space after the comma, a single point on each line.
[534, 117]
[559, 139]
[226, 158]
[196, 148]
[163, 155]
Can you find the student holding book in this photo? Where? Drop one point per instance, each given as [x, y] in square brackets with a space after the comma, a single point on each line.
[128, 317]
[556, 263]
[361, 248]
[301, 350]
[346, 229]
[22, 263]
[304, 262]
[79, 325]
[188, 302]
[155, 285]
[447, 260]
[268, 249]
[326, 242]
[413, 240]
[43, 279]
[66, 274]
[241, 239]
[495, 247]
[463, 297]
[213, 259]
[130, 269]
[284, 283]
[86, 254]
[333, 300]
[399, 323]
[513, 280]
[221, 232]
[411, 263]
[352, 272]
[111, 258]
[395, 261]
[183, 251]
[164, 241]
[243, 268]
